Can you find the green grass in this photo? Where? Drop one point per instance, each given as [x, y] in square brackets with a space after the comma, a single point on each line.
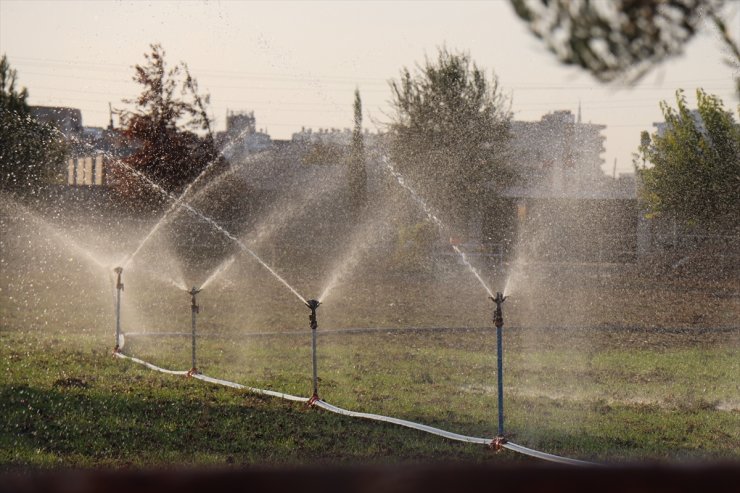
[70, 403]
[66, 402]
[648, 377]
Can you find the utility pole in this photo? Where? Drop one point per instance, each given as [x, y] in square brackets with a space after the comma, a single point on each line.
[110, 114]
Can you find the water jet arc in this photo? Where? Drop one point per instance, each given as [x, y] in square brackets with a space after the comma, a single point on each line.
[435, 220]
[213, 223]
[185, 192]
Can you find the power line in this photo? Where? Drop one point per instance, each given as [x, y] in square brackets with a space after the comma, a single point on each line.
[338, 79]
[220, 73]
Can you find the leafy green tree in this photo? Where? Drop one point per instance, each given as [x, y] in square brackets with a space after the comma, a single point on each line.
[449, 134]
[31, 152]
[622, 39]
[692, 168]
[357, 171]
[163, 129]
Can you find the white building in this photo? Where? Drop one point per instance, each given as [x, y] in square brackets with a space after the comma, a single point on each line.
[87, 170]
[241, 136]
[560, 156]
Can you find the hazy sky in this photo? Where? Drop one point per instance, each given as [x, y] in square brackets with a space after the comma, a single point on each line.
[297, 64]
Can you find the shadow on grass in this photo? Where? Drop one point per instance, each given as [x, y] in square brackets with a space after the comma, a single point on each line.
[187, 423]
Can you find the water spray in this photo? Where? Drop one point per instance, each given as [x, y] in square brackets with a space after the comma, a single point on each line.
[119, 288]
[498, 321]
[313, 305]
[436, 221]
[194, 309]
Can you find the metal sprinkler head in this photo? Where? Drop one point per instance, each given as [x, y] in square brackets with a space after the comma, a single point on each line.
[498, 299]
[313, 304]
[193, 303]
[498, 315]
[118, 271]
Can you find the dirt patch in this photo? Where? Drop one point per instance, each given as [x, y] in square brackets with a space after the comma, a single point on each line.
[71, 382]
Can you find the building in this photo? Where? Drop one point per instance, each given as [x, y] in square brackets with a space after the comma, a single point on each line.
[558, 156]
[87, 170]
[67, 120]
[565, 208]
[241, 136]
[661, 127]
[92, 150]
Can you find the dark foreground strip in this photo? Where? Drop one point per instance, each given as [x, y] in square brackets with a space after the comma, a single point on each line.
[402, 478]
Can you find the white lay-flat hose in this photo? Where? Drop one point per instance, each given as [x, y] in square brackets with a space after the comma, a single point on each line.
[375, 417]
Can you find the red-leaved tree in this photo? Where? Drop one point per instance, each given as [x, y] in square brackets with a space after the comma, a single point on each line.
[169, 132]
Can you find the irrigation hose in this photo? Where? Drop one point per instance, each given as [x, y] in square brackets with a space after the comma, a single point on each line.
[374, 417]
[118, 354]
[217, 381]
[453, 436]
[545, 456]
[402, 422]
[272, 393]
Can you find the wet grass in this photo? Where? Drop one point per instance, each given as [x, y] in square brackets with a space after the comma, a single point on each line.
[612, 401]
[66, 402]
[629, 369]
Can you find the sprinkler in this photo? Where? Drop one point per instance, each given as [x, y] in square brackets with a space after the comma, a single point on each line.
[119, 288]
[194, 309]
[498, 321]
[313, 305]
[498, 315]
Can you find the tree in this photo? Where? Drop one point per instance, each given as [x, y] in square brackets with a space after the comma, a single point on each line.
[694, 165]
[357, 171]
[168, 149]
[622, 39]
[732, 49]
[31, 152]
[449, 133]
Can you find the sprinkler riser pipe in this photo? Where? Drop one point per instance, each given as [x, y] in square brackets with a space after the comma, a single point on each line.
[313, 358]
[193, 339]
[119, 288]
[194, 310]
[118, 319]
[500, 368]
[498, 321]
[313, 305]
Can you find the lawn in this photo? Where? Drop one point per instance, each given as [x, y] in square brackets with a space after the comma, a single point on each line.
[613, 366]
[68, 402]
